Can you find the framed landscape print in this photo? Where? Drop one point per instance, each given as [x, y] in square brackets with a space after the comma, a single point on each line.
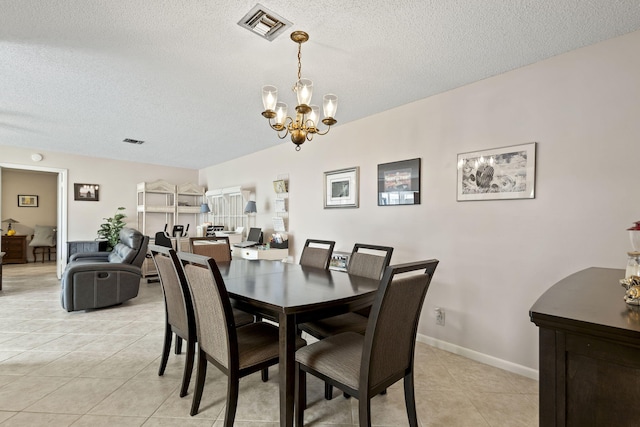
[86, 192]
[341, 188]
[399, 183]
[497, 173]
[27, 201]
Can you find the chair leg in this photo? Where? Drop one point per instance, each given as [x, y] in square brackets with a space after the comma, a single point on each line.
[328, 391]
[301, 396]
[200, 377]
[410, 400]
[178, 348]
[364, 410]
[168, 335]
[188, 366]
[232, 399]
[265, 375]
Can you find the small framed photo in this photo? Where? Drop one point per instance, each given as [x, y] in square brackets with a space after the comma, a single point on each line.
[399, 183]
[341, 188]
[280, 186]
[86, 192]
[27, 201]
[339, 261]
[497, 173]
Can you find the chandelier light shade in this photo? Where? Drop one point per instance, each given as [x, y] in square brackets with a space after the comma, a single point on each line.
[305, 124]
[204, 208]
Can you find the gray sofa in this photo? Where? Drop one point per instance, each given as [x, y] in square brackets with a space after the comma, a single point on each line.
[103, 279]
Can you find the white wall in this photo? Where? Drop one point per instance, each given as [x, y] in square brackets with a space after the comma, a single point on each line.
[117, 180]
[497, 257]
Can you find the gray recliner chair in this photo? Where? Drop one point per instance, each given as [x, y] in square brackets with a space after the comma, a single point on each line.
[103, 279]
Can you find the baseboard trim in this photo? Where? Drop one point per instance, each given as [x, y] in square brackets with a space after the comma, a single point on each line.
[479, 357]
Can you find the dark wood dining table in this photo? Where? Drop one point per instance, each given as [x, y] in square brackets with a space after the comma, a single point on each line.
[292, 294]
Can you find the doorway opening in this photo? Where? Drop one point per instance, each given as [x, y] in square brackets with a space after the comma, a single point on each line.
[61, 207]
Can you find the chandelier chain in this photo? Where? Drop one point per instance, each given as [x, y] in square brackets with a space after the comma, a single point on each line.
[299, 60]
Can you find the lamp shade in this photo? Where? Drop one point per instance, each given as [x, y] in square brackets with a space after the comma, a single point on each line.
[330, 105]
[314, 115]
[269, 97]
[304, 90]
[204, 208]
[251, 207]
[11, 221]
[281, 113]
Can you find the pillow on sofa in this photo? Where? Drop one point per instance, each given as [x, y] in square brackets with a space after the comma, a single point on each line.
[44, 235]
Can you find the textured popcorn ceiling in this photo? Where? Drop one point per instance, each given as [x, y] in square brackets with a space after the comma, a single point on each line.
[81, 75]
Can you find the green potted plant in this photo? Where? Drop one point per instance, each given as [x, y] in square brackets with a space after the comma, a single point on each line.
[110, 230]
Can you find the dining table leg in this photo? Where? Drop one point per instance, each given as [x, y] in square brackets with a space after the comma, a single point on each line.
[287, 341]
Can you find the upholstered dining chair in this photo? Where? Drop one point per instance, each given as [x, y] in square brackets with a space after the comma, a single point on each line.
[317, 253]
[179, 317]
[363, 366]
[368, 261]
[179, 314]
[216, 247]
[236, 352]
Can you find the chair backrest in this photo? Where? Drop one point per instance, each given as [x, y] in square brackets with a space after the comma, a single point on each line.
[390, 338]
[318, 255]
[163, 239]
[371, 262]
[179, 306]
[216, 247]
[131, 248]
[215, 324]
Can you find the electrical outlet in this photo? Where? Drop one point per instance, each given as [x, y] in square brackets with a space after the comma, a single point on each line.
[439, 316]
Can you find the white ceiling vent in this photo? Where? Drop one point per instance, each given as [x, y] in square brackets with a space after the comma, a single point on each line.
[133, 141]
[263, 22]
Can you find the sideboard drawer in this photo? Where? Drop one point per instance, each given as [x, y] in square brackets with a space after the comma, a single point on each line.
[15, 248]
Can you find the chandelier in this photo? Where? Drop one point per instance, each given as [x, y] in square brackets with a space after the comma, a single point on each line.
[304, 126]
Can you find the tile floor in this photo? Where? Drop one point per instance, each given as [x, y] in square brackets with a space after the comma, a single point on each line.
[99, 368]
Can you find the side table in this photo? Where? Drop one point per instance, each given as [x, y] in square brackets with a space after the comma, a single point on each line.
[15, 248]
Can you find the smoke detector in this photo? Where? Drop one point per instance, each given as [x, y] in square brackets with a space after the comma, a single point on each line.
[264, 22]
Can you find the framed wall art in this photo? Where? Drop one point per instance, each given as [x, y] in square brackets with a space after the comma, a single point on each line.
[399, 183]
[280, 186]
[341, 188]
[27, 201]
[339, 261]
[497, 173]
[86, 192]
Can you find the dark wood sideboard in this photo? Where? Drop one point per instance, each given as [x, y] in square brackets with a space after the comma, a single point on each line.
[15, 248]
[589, 352]
[1, 256]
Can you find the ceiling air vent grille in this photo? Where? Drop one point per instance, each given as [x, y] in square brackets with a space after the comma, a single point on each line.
[133, 141]
[263, 22]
